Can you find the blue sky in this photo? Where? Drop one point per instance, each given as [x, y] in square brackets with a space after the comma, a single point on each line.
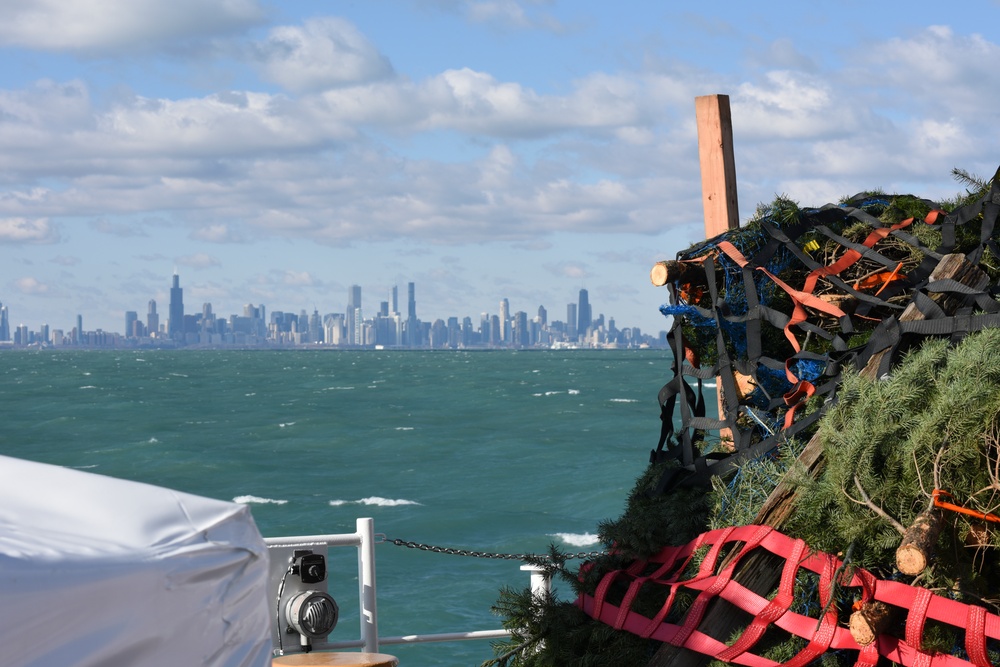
[277, 153]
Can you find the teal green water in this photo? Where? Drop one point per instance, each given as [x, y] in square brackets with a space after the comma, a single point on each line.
[490, 451]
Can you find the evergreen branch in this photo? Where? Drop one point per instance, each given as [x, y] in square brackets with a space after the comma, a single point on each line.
[501, 660]
[969, 180]
[937, 473]
[835, 581]
[920, 478]
[867, 502]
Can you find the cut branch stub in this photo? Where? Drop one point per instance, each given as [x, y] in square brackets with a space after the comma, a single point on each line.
[914, 552]
[870, 621]
[671, 270]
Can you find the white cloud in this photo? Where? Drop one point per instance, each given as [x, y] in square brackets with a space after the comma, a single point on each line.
[27, 230]
[790, 105]
[103, 26]
[323, 53]
[507, 12]
[947, 74]
[30, 286]
[227, 124]
[218, 233]
[199, 261]
[106, 226]
[572, 270]
[613, 152]
[298, 278]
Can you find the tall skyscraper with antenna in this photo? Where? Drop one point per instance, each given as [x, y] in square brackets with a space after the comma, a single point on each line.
[175, 325]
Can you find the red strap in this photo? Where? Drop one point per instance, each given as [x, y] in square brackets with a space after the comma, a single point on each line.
[915, 619]
[774, 609]
[922, 604]
[975, 636]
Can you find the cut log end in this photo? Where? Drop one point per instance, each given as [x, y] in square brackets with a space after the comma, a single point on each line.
[914, 552]
[870, 621]
[659, 275]
[671, 270]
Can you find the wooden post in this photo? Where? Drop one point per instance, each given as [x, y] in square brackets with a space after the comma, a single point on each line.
[718, 164]
[718, 181]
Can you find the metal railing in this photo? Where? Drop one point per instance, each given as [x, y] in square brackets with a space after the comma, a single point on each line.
[364, 540]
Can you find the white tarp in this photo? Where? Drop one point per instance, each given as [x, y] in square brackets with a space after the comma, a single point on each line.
[101, 571]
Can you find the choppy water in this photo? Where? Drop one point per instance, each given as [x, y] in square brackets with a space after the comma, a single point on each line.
[490, 451]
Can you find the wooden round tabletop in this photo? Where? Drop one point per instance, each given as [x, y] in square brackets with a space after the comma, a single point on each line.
[337, 659]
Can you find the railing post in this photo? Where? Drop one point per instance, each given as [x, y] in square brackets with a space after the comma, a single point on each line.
[366, 584]
[541, 582]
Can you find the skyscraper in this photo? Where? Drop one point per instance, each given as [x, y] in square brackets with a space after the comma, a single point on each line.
[355, 329]
[412, 326]
[152, 319]
[505, 335]
[4, 324]
[584, 315]
[131, 317]
[175, 325]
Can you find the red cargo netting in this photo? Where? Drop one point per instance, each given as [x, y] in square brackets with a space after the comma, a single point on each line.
[823, 634]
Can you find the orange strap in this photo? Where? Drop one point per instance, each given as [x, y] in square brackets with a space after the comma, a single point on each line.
[882, 278]
[961, 510]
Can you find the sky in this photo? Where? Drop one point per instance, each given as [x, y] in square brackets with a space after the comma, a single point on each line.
[276, 153]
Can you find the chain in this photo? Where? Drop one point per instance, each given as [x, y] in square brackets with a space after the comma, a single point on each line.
[484, 554]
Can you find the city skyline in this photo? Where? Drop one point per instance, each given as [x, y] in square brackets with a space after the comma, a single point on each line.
[276, 152]
[382, 326]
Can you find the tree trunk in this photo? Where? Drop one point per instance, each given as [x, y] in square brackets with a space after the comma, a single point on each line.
[870, 621]
[671, 270]
[914, 552]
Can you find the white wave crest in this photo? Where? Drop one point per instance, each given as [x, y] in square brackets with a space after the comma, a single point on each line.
[386, 502]
[573, 392]
[577, 539]
[377, 501]
[246, 500]
[623, 400]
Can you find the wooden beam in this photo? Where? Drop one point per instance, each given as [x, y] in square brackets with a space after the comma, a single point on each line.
[718, 164]
[718, 182]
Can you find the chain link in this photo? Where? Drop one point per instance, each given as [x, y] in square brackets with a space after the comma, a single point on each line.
[485, 554]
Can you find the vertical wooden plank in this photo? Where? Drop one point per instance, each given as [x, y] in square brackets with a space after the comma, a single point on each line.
[718, 179]
[718, 164]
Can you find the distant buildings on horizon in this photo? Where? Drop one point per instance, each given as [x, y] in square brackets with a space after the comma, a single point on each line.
[388, 328]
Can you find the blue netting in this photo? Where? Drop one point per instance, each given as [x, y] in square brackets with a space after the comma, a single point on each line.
[809, 370]
[749, 244]
[690, 312]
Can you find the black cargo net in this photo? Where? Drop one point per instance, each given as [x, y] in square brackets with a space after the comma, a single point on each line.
[776, 309]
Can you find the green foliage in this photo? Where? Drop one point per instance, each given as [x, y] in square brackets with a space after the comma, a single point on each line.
[549, 633]
[736, 500]
[653, 521]
[782, 212]
[887, 443]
